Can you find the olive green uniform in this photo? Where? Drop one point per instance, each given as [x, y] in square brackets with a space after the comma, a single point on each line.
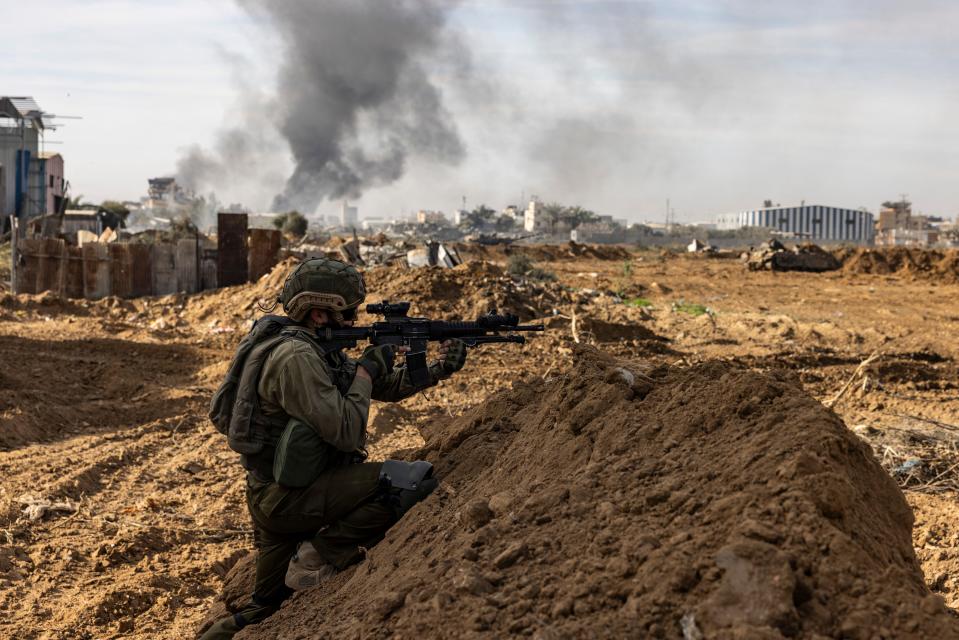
[341, 511]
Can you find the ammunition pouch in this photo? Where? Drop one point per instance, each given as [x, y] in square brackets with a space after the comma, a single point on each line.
[302, 455]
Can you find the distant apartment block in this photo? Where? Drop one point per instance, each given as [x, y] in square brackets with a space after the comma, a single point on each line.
[535, 219]
[430, 217]
[348, 216]
[897, 226]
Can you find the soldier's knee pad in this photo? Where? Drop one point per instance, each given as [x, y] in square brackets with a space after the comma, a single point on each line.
[406, 483]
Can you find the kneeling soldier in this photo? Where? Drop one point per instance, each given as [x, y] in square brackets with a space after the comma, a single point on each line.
[295, 408]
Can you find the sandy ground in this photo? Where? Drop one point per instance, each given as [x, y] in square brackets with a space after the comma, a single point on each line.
[121, 509]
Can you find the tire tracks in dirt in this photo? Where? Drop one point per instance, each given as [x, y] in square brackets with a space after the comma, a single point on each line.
[159, 508]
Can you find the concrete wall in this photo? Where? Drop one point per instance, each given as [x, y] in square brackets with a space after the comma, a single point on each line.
[52, 173]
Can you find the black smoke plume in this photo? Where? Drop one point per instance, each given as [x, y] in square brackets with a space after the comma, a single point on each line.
[353, 102]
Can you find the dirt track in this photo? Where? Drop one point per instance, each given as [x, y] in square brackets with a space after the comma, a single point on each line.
[102, 408]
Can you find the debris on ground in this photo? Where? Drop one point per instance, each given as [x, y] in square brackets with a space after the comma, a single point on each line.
[774, 256]
[433, 254]
[103, 403]
[36, 508]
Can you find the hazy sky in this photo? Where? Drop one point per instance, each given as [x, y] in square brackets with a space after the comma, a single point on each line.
[615, 106]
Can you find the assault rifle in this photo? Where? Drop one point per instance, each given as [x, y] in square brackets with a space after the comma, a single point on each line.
[401, 330]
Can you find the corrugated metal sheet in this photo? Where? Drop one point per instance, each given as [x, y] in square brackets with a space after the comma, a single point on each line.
[23, 107]
[264, 249]
[231, 257]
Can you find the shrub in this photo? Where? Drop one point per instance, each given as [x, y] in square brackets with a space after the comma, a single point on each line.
[518, 264]
[522, 267]
[691, 308]
[293, 223]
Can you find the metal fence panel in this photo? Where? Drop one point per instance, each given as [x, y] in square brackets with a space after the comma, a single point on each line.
[121, 273]
[264, 252]
[141, 261]
[97, 274]
[73, 273]
[164, 269]
[41, 265]
[208, 269]
[187, 265]
[231, 265]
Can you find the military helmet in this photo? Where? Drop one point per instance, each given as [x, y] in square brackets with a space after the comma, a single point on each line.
[321, 283]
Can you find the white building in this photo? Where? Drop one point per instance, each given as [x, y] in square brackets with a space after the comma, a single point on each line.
[815, 222]
[535, 219]
[375, 224]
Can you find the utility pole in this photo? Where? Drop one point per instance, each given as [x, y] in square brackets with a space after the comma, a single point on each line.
[667, 215]
[14, 239]
[903, 212]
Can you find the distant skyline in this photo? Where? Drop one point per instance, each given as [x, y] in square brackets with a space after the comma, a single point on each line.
[612, 105]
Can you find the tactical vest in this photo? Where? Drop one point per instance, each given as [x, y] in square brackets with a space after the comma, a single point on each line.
[235, 408]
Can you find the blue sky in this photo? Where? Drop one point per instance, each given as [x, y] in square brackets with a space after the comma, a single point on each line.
[616, 106]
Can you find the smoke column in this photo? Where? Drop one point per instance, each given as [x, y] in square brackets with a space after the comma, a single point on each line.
[353, 100]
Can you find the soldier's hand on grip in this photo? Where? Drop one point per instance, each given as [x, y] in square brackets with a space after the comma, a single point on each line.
[452, 357]
[378, 360]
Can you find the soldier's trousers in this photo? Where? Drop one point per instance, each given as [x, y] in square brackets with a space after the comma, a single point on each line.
[340, 513]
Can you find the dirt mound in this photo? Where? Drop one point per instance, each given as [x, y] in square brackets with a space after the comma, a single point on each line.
[604, 503]
[239, 302]
[906, 261]
[543, 252]
[466, 291]
[469, 290]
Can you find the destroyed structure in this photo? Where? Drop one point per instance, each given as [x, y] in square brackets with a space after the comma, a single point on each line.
[86, 259]
[898, 226]
[31, 180]
[774, 256]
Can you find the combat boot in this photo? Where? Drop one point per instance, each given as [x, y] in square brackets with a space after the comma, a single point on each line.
[307, 569]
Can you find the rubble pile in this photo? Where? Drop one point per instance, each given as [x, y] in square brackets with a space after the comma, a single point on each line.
[603, 503]
[774, 256]
[942, 265]
[466, 291]
[543, 252]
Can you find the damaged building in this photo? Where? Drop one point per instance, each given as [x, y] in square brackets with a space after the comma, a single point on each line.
[31, 182]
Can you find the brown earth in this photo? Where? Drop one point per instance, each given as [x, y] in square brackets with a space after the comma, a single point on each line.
[942, 265]
[603, 503]
[138, 503]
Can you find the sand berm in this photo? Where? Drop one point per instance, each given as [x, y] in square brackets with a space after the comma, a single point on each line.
[625, 500]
